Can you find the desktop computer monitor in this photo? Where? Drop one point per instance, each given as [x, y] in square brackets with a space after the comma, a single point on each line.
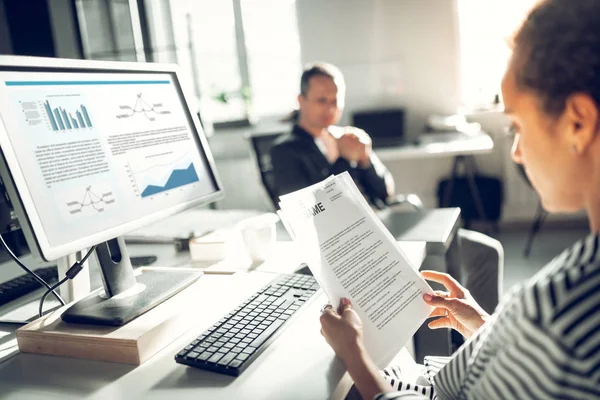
[91, 150]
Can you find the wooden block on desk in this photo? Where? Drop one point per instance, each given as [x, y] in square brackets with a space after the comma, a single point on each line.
[140, 339]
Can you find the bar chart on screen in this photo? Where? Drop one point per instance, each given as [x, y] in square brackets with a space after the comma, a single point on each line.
[58, 114]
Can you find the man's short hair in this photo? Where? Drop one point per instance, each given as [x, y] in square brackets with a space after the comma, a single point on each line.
[321, 69]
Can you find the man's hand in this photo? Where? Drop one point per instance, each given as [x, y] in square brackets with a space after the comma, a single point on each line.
[355, 145]
[456, 309]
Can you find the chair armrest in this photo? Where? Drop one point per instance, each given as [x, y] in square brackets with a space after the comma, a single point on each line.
[411, 199]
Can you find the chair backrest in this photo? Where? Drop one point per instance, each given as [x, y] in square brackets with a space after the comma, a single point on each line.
[262, 144]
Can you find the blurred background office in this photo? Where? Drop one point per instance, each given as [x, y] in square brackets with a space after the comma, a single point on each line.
[243, 58]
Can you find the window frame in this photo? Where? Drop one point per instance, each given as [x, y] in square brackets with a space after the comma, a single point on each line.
[145, 46]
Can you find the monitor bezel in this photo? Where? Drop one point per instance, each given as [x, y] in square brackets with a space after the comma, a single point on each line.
[15, 181]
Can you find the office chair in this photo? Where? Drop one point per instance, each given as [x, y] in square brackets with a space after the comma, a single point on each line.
[539, 219]
[261, 145]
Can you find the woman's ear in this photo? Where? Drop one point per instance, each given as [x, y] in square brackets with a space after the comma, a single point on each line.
[583, 120]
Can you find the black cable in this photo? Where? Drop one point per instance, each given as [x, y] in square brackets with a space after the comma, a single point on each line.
[87, 255]
[57, 284]
[36, 276]
[71, 273]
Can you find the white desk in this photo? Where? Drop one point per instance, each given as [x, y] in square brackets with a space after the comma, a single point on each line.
[462, 147]
[298, 365]
[446, 144]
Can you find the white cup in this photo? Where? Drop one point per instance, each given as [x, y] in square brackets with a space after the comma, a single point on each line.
[259, 235]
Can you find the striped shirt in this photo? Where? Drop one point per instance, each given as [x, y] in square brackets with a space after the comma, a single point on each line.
[543, 341]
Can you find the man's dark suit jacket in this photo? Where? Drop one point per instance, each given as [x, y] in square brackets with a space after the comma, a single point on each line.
[298, 163]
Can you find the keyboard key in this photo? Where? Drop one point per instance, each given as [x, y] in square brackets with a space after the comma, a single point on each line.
[226, 359]
[266, 334]
[216, 357]
[235, 364]
[242, 357]
[279, 301]
[204, 356]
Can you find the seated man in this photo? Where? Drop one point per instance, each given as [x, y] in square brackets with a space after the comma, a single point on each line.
[316, 149]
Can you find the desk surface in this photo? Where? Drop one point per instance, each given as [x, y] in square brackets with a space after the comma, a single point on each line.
[298, 356]
[445, 144]
[298, 365]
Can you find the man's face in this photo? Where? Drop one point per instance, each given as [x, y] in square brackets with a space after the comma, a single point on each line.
[322, 104]
[541, 146]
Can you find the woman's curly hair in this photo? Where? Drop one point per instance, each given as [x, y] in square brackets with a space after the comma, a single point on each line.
[557, 52]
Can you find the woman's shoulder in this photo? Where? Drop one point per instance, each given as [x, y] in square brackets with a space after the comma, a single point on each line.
[562, 297]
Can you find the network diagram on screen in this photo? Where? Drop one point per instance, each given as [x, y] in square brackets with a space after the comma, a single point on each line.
[101, 148]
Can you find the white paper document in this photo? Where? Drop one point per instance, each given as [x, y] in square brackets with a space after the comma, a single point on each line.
[352, 254]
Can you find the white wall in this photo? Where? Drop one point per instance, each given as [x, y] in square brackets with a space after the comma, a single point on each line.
[392, 52]
[406, 53]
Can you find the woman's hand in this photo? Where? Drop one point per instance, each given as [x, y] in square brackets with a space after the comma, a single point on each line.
[343, 330]
[456, 309]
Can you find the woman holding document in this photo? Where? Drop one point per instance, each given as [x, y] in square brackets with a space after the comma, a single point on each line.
[542, 342]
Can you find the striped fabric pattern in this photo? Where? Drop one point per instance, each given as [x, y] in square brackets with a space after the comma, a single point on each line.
[543, 342]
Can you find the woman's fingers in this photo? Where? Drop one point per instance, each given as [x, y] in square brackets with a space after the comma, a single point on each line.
[445, 280]
[438, 312]
[439, 323]
[451, 304]
[345, 304]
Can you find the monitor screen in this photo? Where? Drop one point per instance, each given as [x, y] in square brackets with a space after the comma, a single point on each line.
[381, 125]
[95, 153]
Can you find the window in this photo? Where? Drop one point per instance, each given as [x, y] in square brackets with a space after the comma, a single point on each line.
[484, 28]
[107, 29]
[273, 48]
[245, 55]
[205, 29]
[241, 58]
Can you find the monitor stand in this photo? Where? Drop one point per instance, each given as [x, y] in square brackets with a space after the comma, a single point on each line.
[125, 296]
